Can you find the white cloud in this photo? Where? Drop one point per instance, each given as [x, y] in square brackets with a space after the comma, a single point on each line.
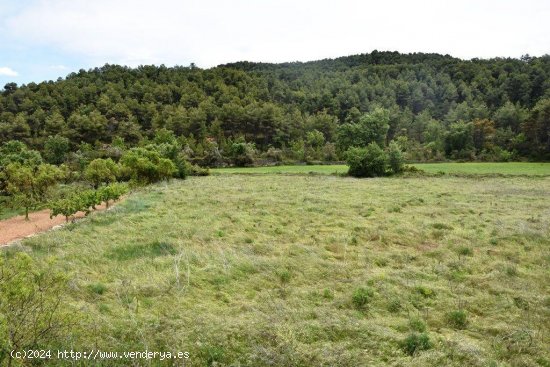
[209, 32]
[6, 71]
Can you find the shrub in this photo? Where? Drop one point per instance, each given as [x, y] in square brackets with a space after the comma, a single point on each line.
[195, 170]
[242, 154]
[147, 166]
[457, 319]
[66, 206]
[88, 200]
[417, 324]
[111, 192]
[101, 171]
[394, 306]
[371, 161]
[395, 157]
[415, 342]
[361, 297]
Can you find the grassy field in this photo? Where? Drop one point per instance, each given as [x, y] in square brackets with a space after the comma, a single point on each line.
[513, 168]
[272, 270]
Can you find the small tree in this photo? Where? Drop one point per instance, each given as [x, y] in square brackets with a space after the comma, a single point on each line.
[101, 171]
[111, 192]
[66, 206]
[395, 157]
[29, 185]
[56, 149]
[371, 161]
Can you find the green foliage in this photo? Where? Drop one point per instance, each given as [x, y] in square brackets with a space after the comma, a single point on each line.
[29, 185]
[457, 319]
[351, 101]
[396, 159]
[67, 207]
[371, 161]
[101, 171]
[417, 324]
[242, 154]
[56, 149]
[33, 311]
[147, 165]
[111, 192]
[361, 297]
[415, 342]
[371, 128]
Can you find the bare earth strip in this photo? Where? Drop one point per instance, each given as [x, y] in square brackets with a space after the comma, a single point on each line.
[17, 228]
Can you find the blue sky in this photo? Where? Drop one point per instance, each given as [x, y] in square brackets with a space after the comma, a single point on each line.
[46, 39]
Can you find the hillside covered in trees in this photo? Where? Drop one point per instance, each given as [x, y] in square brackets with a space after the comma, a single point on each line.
[435, 107]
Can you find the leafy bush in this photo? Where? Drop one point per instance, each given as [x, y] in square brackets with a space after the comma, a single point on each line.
[395, 157]
[101, 171]
[361, 297]
[371, 161]
[242, 154]
[415, 342]
[147, 166]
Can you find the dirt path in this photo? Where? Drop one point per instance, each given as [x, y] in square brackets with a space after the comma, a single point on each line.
[16, 228]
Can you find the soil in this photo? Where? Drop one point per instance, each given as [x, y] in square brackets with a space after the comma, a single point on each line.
[17, 228]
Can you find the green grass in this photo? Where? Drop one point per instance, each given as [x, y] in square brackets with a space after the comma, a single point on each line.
[513, 168]
[272, 270]
[301, 169]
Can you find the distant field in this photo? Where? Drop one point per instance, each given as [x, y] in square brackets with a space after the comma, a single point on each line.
[273, 270]
[514, 168]
[302, 169]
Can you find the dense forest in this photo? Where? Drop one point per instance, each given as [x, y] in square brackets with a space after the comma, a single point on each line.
[435, 107]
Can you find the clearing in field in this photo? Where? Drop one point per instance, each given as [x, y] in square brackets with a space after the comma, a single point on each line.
[316, 270]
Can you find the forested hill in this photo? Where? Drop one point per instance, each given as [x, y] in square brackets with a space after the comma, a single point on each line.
[436, 107]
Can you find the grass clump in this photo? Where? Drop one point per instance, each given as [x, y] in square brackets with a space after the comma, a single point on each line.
[361, 297]
[416, 342]
[457, 319]
[97, 288]
[417, 324]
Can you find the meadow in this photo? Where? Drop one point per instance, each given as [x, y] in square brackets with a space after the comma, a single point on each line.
[468, 168]
[315, 270]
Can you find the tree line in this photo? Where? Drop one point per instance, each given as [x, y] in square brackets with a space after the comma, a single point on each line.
[436, 107]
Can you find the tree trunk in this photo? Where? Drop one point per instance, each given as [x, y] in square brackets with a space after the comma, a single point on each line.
[26, 213]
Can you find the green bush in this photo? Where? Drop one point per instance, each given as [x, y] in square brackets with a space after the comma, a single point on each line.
[111, 192]
[361, 297]
[242, 154]
[395, 157]
[371, 161]
[394, 306]
[66, 206]
[147, 165]
[415, 342]
[457, 319]
[417, 324]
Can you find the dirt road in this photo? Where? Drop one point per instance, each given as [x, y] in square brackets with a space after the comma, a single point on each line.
[16, 228]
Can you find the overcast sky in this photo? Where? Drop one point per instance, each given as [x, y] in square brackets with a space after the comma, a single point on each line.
[45, 39]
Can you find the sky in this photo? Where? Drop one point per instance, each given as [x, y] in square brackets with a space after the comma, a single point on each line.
[47, 39]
